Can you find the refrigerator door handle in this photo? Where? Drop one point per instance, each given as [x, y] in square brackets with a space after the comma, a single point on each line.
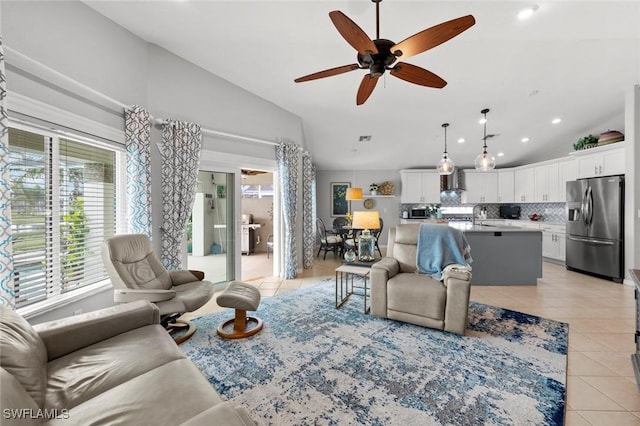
[583, 208]
[591, 241]
[590, 204]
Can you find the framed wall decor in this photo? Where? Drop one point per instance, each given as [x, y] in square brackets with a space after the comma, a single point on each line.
[339, 204]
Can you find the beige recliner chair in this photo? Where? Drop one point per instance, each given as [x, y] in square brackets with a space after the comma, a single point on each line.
[137, 274]
[398, 292]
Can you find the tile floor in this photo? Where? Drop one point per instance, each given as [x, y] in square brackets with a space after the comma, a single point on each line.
[601, 387]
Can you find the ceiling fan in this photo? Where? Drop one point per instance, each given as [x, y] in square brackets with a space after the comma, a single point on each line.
[379, 55]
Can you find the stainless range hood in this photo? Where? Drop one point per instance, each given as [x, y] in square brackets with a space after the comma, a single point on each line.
[452, 182]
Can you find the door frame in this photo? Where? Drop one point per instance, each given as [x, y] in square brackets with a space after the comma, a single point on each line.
[234, 163]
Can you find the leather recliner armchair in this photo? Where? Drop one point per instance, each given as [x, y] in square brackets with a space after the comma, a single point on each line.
[137, 274]
[398, 292]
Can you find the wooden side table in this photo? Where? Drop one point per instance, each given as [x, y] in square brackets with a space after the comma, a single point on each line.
[345, 286]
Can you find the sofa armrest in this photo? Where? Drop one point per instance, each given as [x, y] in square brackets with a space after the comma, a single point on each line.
[457, 280]
[70, 334]
[221, 414]
[389, 264]
[380, 273]
[183, 276]
[126, 295]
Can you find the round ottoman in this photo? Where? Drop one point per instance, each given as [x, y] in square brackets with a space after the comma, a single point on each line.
[242, 297]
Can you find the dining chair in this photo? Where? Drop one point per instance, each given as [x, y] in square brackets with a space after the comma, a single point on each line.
[376, 235]
[328, 242]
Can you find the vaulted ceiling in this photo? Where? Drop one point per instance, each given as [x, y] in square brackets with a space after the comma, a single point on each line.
[574, 60]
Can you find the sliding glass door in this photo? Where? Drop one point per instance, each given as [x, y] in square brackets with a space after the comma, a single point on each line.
[210, 236]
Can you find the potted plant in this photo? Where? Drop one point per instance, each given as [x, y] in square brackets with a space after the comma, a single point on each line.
[588, 141]
[373, 189]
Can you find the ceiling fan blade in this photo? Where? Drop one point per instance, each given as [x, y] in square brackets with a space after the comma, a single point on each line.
[417, 75]
[366, 87]
[352, 33]
[432, 37]
[327, 73]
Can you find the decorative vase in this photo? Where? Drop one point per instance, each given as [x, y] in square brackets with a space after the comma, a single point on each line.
[374, 192]
[350, 256]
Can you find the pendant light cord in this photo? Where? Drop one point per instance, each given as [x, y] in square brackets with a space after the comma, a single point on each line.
[484, 146]
[445, 125]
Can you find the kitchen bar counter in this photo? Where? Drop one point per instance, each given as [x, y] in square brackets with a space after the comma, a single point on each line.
[490, 228]
[505, 255]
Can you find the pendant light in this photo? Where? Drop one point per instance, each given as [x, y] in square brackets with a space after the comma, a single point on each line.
[354, 193]
[485, 161]
[445, 165]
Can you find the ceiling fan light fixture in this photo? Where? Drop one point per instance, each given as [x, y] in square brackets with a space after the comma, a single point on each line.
[445, 166]
[485, 162]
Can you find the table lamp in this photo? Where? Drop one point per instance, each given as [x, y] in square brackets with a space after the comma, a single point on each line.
[366, 220]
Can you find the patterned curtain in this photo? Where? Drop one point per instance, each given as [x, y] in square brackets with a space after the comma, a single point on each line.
[7, 294]
[287, 159]
[181, 146]
[308, 209]
[137, 130]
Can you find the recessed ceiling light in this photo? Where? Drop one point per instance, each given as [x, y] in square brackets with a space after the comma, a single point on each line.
[527, 12]
[556, 120]
[461, 140]
[501, 154]
[524, 140]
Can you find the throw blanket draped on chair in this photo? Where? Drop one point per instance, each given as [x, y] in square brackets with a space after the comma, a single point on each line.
[440, 246]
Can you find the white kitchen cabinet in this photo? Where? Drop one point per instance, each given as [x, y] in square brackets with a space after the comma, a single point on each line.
[553, 241]
[601, 161]
[566, 173]
[546, 183]
[524, 185]
[420, 186]
[505, 186]
[481, 187]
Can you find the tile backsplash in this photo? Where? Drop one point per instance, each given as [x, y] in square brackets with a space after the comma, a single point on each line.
[550, 212]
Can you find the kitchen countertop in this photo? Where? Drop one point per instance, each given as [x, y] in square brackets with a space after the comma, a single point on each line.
[491, 228]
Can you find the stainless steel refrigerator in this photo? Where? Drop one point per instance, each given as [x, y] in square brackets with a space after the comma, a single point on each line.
[595, 226]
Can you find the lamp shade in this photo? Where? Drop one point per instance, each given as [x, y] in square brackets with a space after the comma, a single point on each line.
[353, 194]
[365, 220]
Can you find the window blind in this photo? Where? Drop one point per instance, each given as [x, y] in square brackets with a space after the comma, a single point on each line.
[63, 207]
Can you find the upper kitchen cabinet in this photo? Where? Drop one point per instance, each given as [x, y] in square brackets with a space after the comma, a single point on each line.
[505, 186]
[601, 161]
[420, 186]
[481, 187]
[524, 185]
[566, 173]
[546, 188]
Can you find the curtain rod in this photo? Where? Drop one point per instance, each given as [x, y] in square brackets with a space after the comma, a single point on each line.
[225, 134]
[67, 79]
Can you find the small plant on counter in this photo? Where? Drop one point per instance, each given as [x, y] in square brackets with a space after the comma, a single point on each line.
[373, 189]
[432, 210]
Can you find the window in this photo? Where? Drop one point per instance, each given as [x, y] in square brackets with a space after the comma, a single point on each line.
[257, 191]
[63, 207]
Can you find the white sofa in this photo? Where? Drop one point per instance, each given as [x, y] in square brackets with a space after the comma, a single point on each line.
[114, 366]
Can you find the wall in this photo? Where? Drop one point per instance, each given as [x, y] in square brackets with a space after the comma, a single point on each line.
[388, 208]
[632, 189]
[79, 43]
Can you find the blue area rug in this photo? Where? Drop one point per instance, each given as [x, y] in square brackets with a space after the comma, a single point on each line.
[315, 364]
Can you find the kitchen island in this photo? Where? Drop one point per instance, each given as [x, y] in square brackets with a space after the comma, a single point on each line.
[504, 255]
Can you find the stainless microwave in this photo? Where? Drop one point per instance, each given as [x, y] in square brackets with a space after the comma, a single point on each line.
[418, 213]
